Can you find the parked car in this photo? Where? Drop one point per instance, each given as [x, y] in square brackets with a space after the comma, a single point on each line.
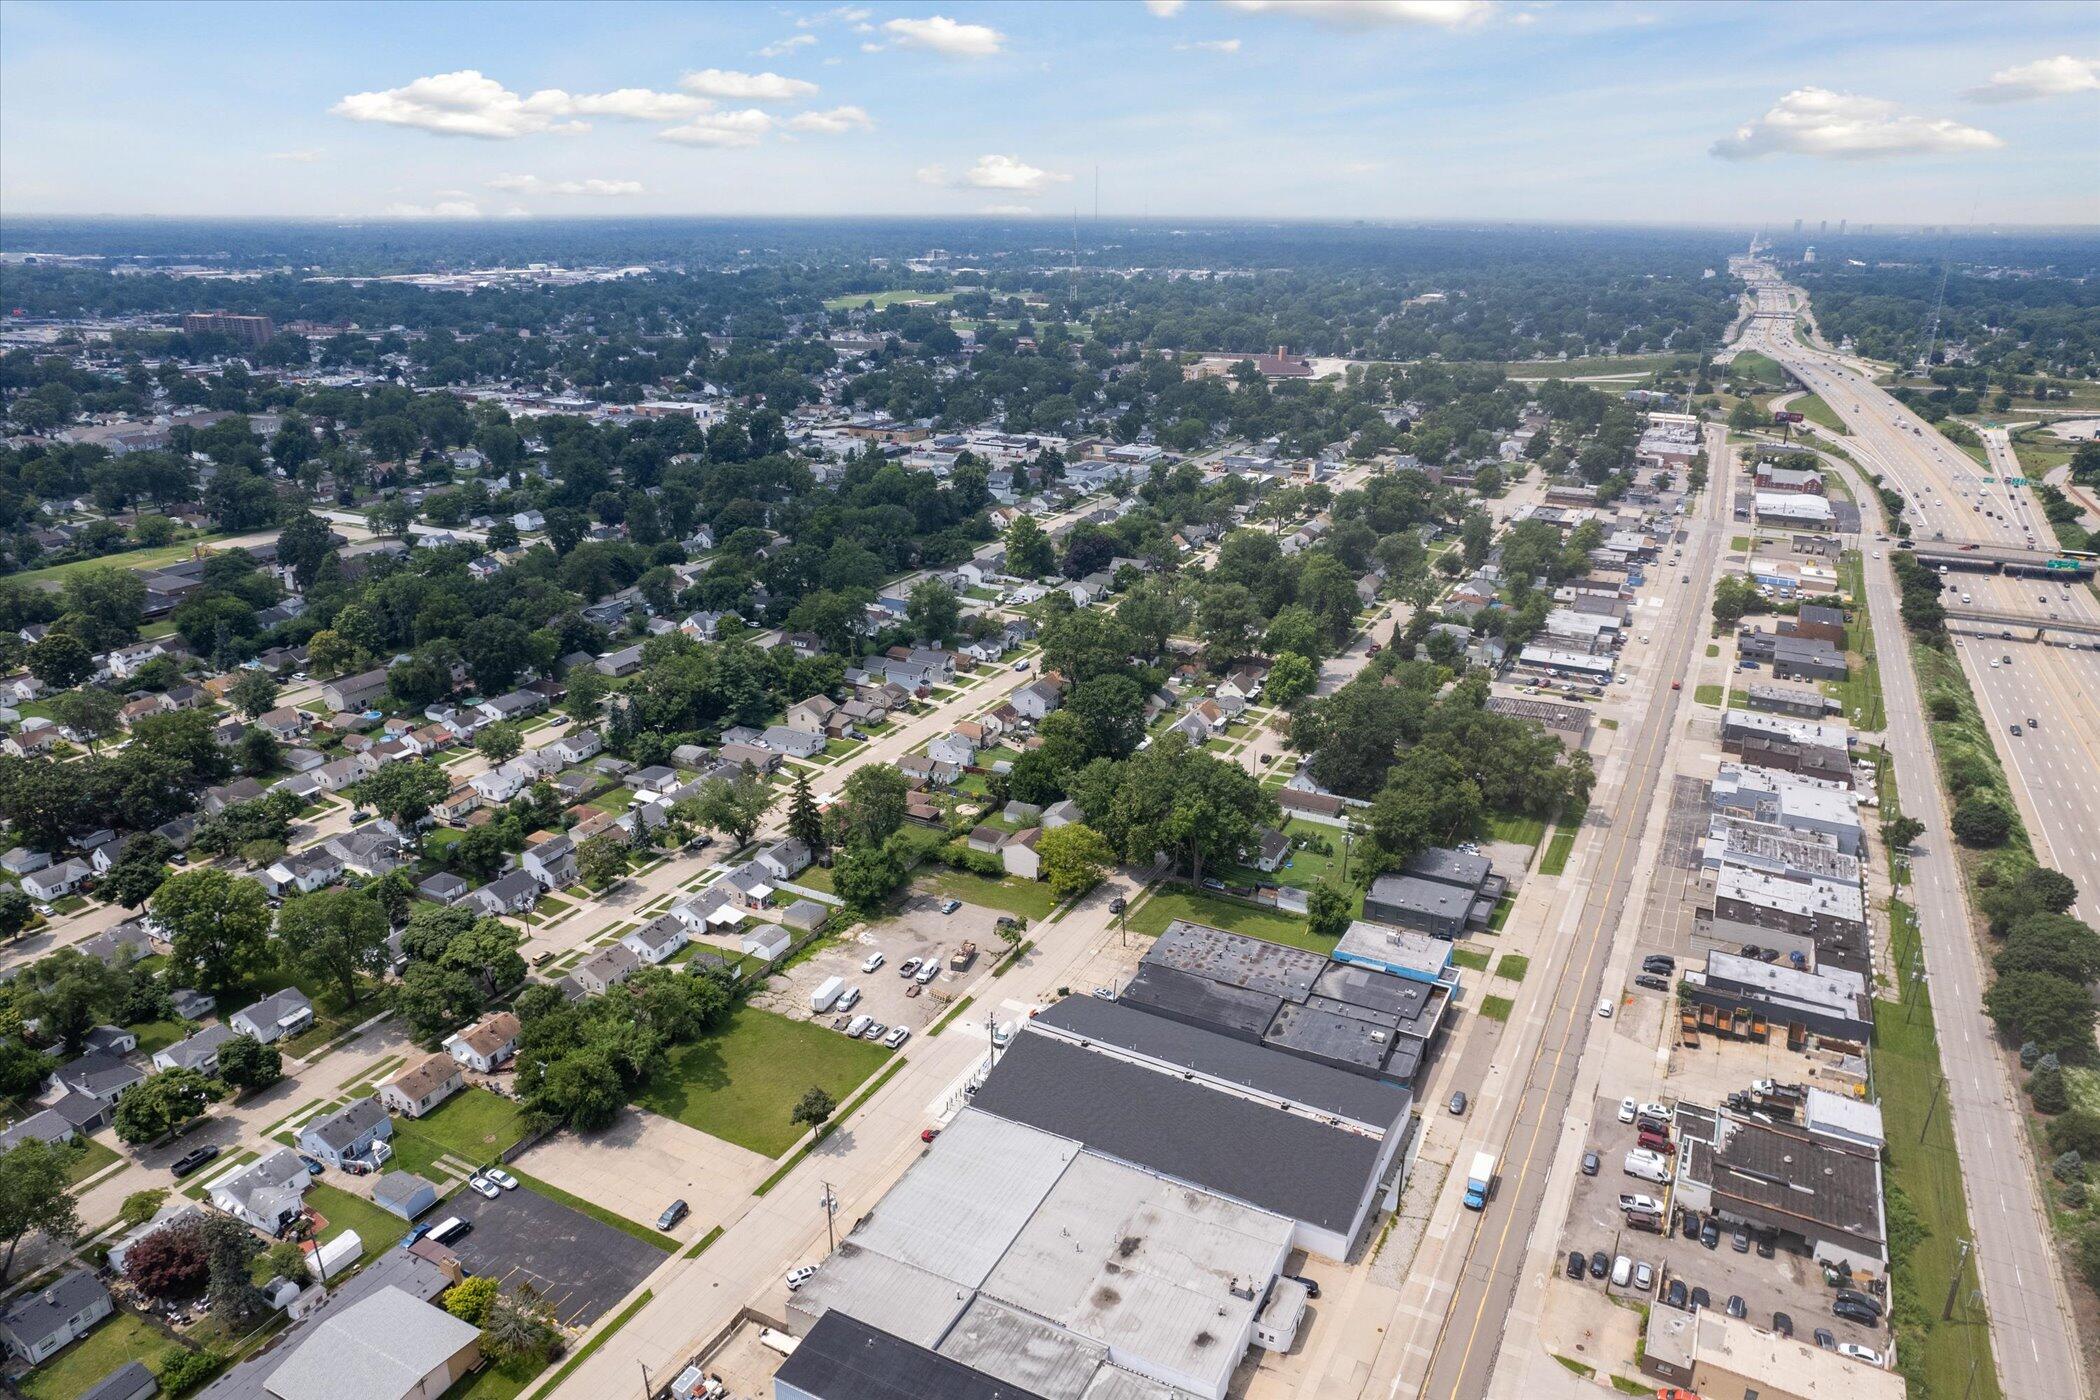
[907, 967]
[1590, 1164]
[928, 1134]
[1741, 1242]
[874, 960]
[1677, 1296]
[1576, 1264]
[673, 1213]
[1634, 1200]
[1650, 981]
[1710, 1233]
[1860, 1353]
[1600, 1264]
[191, 1160]
[1660, 961]
[927, 971]
[1701, 1298]
[1825, 1339]
[1644, 1277]
[1626, 1110]
[312, 1164]
[501, 1177]
[897, 1036]
[1853, 1312]
[1782, 1324]
[482, 1186]
[1736, 1308]
[1621, 1272]
[1458, 1103]
[1604, 1008]
[876, 1030]
[797, 1277]
[949, 906]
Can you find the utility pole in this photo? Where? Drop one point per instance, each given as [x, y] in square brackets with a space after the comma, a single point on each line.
[1954, 1283]
[829, 1204]
[1939, 1083]
[991, 1043]
[645, 1377]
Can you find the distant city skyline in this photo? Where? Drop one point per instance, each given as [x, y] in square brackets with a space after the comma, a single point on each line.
[1883, 115]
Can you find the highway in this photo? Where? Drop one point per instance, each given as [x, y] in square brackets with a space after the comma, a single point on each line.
[1521, 1111]
[2032, 1332]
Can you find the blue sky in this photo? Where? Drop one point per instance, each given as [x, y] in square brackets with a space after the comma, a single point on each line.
[1393, 109]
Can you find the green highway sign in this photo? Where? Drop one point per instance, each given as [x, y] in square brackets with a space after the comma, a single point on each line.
[2061, 564]
[1990, 481]
[2016, 481]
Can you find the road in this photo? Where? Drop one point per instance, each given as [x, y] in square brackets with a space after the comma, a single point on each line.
[2032, 1331]
[1522, 1108]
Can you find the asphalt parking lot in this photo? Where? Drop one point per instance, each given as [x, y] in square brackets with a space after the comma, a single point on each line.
[1788, 1282]
[918, 930]
[521, 1238]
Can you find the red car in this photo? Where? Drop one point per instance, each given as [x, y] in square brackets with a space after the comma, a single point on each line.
[1676, 685]
[928, 1134]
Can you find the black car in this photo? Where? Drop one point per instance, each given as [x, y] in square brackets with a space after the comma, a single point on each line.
[1710, 1233]
[1660, 960]
[193, 1159]
[1589, 1164]
[1312, 1289]
[1782, 1324]
[1853, 1312]
[1576, 1263]
[1751, 950]
[1825, 1340]
[1701, 1298]
[1858, 1299]
[673, 1213]
[1691, 1225]
[1458, 1103]
[1677, 1294]
[1768, 955]
[1600, 1264]
[1651, 982]
[1736, 1307]
[1767, 1244]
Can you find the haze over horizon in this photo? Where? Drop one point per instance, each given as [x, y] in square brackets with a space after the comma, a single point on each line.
[1412, 110]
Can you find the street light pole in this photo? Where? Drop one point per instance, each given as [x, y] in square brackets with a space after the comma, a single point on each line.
[829, 1204]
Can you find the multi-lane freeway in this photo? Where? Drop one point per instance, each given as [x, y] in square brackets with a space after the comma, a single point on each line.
[2032, 1331]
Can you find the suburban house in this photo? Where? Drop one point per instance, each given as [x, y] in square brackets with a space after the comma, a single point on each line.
[514, 893]
[1272, 848]
[35, 1325]
[277, 1015]
[796, 743]
[348, 1133]
[418, 1088]
[607, 968]
[334, 777]
[552, 862]
[443, 888]
[269, 1194]
[102, 1078]
[934, 772]
[1020, 856]
[784, 860]
[1036, 699]
[457, 804]
[404, 1194]
[624, 662]
[812, 714]
[583, 745]
[500, 785]
[953, 748]
[285, 724]
[55, 882]
[486, 1044]
[200, 1052]
[657, 940]
[353, 692]
[302, 873]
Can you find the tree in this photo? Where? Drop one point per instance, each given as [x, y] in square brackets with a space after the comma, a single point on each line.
[218, 927]
[89, 712]
[499, 743]
[601, 860]
[518, 1328]
[436, 1000]
[235, 1301]
[172, 1262]
[2054, 943]
[330, 653]
[865, 875]
[2052, 1011]
[1029, 553]
[1982, 821]
[35, 1194]
[1427, 801]
[60, 660]
[732, 806]
[871, 807]
[163, 1102]
[1290, 680]
[2046, 1087]
[67, 992]
[933, 611]
[181, 1370]
[16, 910]
[247, 1064]
[302, 544]
[804, 822]
[2076, 1131]
[1075, 858]
[1900, 833]
[141, 1206]
[404, 793]
[470, 1299]
[103, 605]
[1109, 711]
[814, 1109]
[24, 1069]
[254, 694]
[1328, 908]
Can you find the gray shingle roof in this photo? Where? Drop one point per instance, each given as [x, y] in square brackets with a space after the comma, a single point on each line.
[381, 1345]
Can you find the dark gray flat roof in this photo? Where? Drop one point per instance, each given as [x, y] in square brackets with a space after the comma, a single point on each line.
[1293, 1165]
[1236, 959]
[1449, 867]
[843, 1358]
[1253, 1067]
[1188, 996]
[1338, 1039]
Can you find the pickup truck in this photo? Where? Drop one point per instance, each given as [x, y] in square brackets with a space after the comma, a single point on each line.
[962, 957]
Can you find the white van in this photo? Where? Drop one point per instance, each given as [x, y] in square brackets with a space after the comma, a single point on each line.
[850, 999]
[1648, 1166]
[858, 1024]
[449, 1229]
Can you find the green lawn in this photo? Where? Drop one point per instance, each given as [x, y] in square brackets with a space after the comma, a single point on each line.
[1740, 544]
[1563, 842]
[1496, 1008]
[378, 1229]
[598, 1213]
[1513, 966]
[1179, 902]
[1820, 413]
[1028, 898]
[94, 1156]
[1475, 959]
[742, 1084]
[473, 1125]
[494, 1382]
[1925, 1180]
[159, 1035]
[856, 300]
[1859, 693]
[1707, 694]
[125, 1337]
[127, 559]
[1597, 364]
[616, 802]
[1514, 828]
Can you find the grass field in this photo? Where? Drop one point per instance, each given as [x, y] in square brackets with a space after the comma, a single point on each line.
[1513, 966]
[158, 1035]
[1763, 369]
[1820, 413]
[1597, 364]
[1555, 861]
[94, 1156]
[375, 1227]
[855, 300]
[1178, 902]
[1496, 1008]
[127, 559]
[1028, 898]
[125, 1337]
[473, 1125]
[1514, 828]
[494, 1382]
[1860, 693]
[1707, 694]
[742, 1085]
[1472, 959]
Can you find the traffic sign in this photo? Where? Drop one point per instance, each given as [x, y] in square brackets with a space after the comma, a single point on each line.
[2016, 481]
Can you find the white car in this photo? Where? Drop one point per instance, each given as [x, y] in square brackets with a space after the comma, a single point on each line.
[1654, 1110]
[1626, 1110]
[874, 960]
[1860, 1353]
[1604, 1008]
[896, 1038]
[1621, 1272]
[501, 1177]
[797, 1277]
[486, 1187]
[1633, 1200]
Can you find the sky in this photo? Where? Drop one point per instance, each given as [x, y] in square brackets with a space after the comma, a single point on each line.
[1886, 113]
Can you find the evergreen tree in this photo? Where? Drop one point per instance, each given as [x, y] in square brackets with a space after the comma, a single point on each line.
[804, 822]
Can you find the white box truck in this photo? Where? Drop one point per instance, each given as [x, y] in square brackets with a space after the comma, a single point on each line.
[1480, 1180]
[821, 999]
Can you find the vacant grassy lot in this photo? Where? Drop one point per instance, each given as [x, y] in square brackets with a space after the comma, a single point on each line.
[856, 300]
[742, 1085]
[375, 1227]
[1028, 898]
[1179, 902]
[127, 559]
[1820, 413]
[473, 1125]
[125, 1337]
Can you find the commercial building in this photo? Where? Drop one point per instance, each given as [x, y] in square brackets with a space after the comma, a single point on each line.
[843, 1358]
[1829, 1004]
[1798, 803]
[1710, 1353]
[1765, 846]
[249, 330]
[1823, 920]
[388, 1345]
[1793, 658]
[1821, 1194]
[1362, 1019]
[1802, 701]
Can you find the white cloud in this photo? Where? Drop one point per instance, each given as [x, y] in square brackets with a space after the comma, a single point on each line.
[942, 35]
[1165, 9]
[1008, 209]
[1845, 126]
[1210, 46]
[2045, 77]
[933, 174]
[467, 103]
[783, 47]
[533, 184]
[745, 128]
[444, 209]
[843, 14]
[1009, 173]
[1367, 14]
[306, 157]
[746, 87]
[832, 122]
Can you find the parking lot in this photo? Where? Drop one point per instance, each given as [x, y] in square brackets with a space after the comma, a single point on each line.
[1788, 1282]
[918, 930]
[580, 1266]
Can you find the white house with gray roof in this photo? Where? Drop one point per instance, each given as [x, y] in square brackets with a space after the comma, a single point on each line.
[268, 1194]
[348, 1133]
[36, 1325]
[277, 1015]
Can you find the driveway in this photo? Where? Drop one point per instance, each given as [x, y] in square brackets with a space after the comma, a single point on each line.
[521, 1238]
